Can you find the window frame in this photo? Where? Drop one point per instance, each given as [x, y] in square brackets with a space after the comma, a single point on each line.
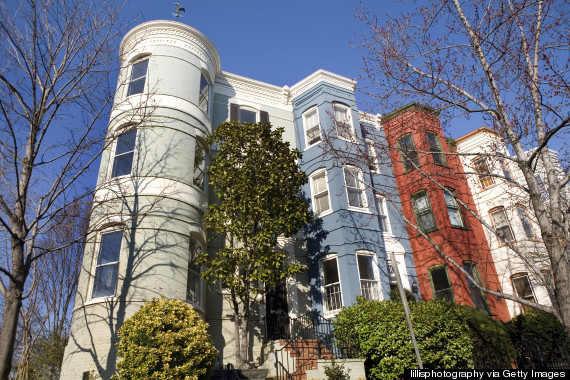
[374, 281]
[113, 160]
[415, 196]
[483, 175]
[202, 168]
[95, 264]
[474, 272]
[306, 116]
[359, 178]
[372, 156]
[451, 194]
[132, 80]
[204, 94]
[522, 213]
[314, 195]
[432, 284]
[327, 311]
[346, 124]
[436, 151]
[195, 273]
[383, 214]
[521, 275]
[408, 155]
[501, 241]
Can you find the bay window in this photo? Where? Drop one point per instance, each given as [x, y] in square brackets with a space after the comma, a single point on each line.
[107, 266]
[137, 78]
[124, 153]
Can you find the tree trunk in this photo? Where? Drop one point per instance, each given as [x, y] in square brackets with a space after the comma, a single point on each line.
[243, 337]
[239, 359]
[12, 306]
[561, 273]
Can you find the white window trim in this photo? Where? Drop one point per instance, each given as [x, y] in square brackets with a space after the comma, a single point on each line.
[200, 305]
[313, 203]
[113, 151]
[495, 234]
[383, 210]
[130, 70]
[327, 313]
[375, 272]
[373, 164]
[352, 131]
[310, 110]
[95, 258]
[360, 183]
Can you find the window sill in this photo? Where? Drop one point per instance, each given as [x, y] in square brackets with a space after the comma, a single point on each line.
[323, 214]
[411, 170]
[428, 231]
[315, 144]
[100, 300]
[460, 228]
[364, 210]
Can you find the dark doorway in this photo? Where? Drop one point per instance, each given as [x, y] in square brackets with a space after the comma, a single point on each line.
[277, 312]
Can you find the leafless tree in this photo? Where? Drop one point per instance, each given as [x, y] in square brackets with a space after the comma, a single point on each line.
[46, 313]
[505, 61]
[57, 71]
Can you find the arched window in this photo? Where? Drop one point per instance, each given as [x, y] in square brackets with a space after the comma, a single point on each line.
[312, 127]
[320, 192]
[502, 225]
[440, 283]
[354, 182]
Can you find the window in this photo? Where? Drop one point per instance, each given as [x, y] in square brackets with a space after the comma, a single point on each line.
[354, 187]
[332, 292]
[247, 114]
[408, 152]
[477, 296]
[480, 166]
[138, 77]
[423, 211]
[542, 188]
[372, 156]
[502, 225]
[440, 284]
[525, 222]
[392, 274]
[383, 214]
[107, 268]
[204, 97]
[124, 153]
[505, 169]
[368, 280]
[320, 191]
[453, 208]
[312, 127]
[194, 279]
[199, 165]
[434, 143]
[343, 122]
[523, 288]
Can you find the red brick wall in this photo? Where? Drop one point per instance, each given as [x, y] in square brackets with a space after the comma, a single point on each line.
[460, 245]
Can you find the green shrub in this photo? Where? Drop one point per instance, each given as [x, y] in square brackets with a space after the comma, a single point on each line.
[395, 295]
[336, 372]
[165, 339]
[492, 344]
[539, 337]
[379, 332]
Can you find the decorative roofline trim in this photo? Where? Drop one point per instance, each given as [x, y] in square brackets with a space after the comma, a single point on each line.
[408, 107]
[172, 29]
[321, 76]
[476, 132]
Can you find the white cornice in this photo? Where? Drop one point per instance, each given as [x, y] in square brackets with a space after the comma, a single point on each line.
[234, 85]
[322, 76]
[173, 33]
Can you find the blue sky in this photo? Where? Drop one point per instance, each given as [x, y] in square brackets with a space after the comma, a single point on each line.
[279, 42]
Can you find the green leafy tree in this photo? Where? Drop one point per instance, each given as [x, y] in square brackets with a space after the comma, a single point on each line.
[258, 182]
[165, 339]
[379, 333]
